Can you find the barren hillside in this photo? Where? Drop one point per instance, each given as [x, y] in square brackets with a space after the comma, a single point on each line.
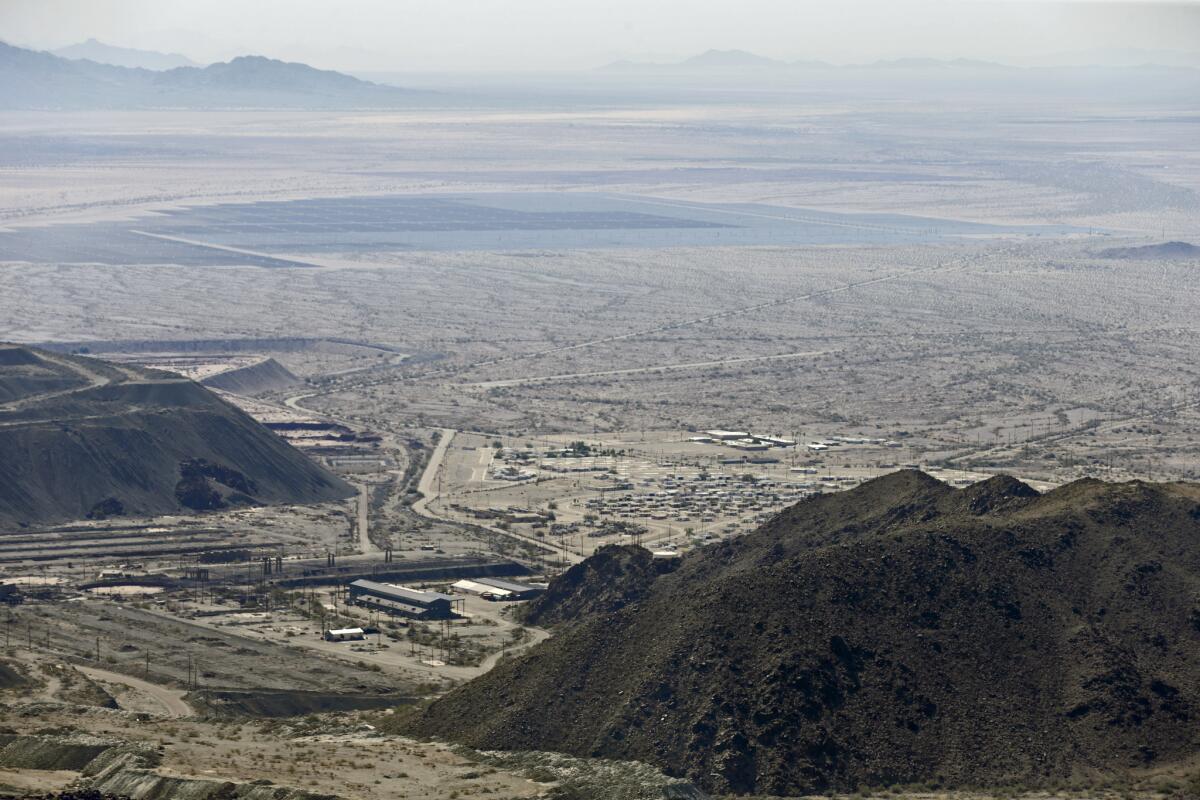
[900, 632]
[80, 437]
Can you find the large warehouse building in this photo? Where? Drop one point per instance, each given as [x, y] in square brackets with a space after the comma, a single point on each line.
[518, 591]
[402, 601]
[496, 589]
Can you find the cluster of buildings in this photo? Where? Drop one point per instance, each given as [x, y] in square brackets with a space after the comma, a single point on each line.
[838, 441]
[403, 601]
[511, 472]
[742, 440]
[702, 498]
[511, 514]
[519, 464]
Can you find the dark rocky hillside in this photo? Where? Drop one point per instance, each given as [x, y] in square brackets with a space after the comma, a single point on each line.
[615, 576]
[83, 438]
[901, 632]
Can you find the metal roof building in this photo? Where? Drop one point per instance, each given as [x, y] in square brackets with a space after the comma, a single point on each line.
[482, 589]
[344, 634]
[519, 591]
[723, 435]
[401, 600]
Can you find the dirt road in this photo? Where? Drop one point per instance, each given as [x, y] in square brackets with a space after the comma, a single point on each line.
[426, 487]
[94, 379]
[636, 370]
[170, 699]
[536, 636]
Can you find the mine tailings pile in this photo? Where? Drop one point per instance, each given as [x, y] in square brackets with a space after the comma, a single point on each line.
[83, 438]
[902, 632]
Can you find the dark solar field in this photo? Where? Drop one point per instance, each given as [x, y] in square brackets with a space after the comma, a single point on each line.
[282, 233]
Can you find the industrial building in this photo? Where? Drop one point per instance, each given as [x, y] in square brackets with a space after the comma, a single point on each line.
[497, 589]
[743, 440]
[774, 441]
[723, 436]
[467, 586]
[345, 635]
[402, 601]
[516, 591]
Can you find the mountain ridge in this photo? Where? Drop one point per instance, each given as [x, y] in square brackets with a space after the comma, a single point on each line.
[102, 53]
[901, 632]
[41, 80]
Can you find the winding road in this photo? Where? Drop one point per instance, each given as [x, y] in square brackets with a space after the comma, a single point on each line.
[655, 368]
[425, 485]
[170, 699]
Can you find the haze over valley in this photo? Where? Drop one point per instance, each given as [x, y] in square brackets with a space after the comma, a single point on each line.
[696, 419]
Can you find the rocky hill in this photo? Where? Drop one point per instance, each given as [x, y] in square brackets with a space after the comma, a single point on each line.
[81, 437]
[615, 576]
[897, 633]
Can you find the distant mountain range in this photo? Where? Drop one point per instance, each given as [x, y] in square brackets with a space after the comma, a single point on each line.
[729, 59]
[742, 60]
[31, 79]
[102, 53]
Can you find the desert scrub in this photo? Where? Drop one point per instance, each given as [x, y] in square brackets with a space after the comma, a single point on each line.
[585, 778]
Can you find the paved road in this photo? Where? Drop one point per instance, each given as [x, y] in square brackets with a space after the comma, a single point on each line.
[170, 699]
[656, 368]
[425, 485]
[225, 248]
[1075, 432]
[365, 545]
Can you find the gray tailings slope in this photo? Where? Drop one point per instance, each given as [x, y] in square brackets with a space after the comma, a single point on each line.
[267, 375]
[80, 437]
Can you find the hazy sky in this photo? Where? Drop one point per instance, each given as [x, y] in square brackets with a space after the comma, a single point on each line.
[579, 34]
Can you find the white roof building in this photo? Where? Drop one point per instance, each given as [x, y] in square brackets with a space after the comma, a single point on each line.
[723, 435]
[474, 587]
[344, 634]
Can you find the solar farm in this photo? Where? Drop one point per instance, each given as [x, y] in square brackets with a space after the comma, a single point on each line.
[296, 233]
